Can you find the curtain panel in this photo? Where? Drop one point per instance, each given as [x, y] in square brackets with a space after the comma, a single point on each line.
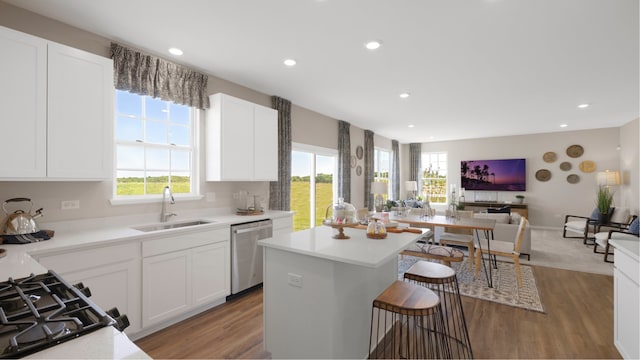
[152, 76]
[415, 164]
[280, 191]
[344, 160]
[395, 170]
[368, 168]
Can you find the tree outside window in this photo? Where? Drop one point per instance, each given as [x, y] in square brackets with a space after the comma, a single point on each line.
[434, 177]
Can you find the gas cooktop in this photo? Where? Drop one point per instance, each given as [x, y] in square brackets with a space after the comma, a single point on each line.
[40, 311]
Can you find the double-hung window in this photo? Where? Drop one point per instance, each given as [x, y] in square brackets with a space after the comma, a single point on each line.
[155, 142]
[434, 177]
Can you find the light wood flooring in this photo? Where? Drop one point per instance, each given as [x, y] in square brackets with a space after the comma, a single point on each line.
[578, 323]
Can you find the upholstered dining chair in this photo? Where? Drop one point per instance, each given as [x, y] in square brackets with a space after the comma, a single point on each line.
[503, 248]
[462, 237]
[427, 235]
[631, 232]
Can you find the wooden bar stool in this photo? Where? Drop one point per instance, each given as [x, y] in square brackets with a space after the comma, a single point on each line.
[442, 280]
[407, 322]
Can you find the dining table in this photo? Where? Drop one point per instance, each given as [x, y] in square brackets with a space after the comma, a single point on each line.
[478, 226]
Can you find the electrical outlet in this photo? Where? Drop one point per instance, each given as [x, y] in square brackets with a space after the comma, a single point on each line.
[211, 196]
[70, 204]
[294, 280]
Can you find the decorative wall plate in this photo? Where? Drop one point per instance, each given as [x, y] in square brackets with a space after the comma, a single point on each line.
[575, 151]
[565, 166]
[354, 161]
[587, 166]
[359, 152]
[549, 157]
[573, 179]
[359, 170]
[543, 175]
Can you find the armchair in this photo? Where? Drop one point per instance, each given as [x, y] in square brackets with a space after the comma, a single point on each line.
[581, 225]
[602, 238]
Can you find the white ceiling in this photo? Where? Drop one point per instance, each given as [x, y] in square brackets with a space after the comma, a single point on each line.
[474, 68]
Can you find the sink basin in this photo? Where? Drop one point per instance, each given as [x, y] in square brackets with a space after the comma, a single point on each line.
[173, 225]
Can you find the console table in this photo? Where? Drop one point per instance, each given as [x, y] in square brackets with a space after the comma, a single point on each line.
[521, 209]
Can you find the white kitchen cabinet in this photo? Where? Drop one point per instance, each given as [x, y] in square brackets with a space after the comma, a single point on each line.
[626, 295]
[241, 140]
[183, 272]
[55, 100]
[282, 226]
[112, 273]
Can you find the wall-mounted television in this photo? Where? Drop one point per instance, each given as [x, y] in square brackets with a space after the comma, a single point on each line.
[494, 175]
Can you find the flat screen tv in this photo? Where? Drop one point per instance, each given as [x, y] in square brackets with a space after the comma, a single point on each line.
[494, 175]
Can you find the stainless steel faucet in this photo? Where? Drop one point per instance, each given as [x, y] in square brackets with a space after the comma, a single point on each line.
[164, 215]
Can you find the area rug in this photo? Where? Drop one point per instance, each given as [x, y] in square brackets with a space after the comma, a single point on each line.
[505, 284]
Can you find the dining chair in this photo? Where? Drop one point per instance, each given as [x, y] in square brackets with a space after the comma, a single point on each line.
[503, 248]
[463, 237]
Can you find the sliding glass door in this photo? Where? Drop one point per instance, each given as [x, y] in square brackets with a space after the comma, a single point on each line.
[313, 172]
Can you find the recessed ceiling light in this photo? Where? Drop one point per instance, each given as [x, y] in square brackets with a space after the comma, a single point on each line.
[582, 106]
[372, 45]
[563, 125]
[405, 95]
[411, 125]
[175, 51]
[290, 62]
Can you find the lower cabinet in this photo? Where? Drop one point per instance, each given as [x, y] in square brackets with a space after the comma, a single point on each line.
[181, 273]
[626, 295]
[111, 273]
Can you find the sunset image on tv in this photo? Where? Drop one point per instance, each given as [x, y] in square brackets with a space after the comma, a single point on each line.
[494, 175]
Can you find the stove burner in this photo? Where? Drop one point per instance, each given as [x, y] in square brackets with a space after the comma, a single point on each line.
[17, 303]
[41, 331]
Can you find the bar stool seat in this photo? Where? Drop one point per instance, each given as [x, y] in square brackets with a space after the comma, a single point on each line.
[443, 281]
[407, 322]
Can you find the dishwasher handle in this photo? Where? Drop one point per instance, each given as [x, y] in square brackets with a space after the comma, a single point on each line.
[252, 229]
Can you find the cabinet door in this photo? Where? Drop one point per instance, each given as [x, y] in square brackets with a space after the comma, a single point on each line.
[166, 286]
[210, 272]
[80, 120]
[237, 139]
[23, 84]
[266, 144]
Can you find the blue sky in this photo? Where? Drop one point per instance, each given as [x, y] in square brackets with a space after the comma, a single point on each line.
[301, 164]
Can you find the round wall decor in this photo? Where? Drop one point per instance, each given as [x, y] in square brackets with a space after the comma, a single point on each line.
[359, 170]
[587, 166]
[354, 161]
[573, 179]
[549, 157]
[565, 166]
[359, 152]
[543, 175]
[575, 151]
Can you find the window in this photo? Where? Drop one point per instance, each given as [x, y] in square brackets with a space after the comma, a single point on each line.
[434, 177]
[382, 168]
[311, 195]
[155, 147]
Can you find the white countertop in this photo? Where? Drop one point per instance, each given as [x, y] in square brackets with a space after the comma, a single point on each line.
[630, 247]
[107, 343]
[358, 250]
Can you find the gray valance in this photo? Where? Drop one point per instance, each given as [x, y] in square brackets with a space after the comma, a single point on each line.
[152, 76]
[368, 168]
[280, 191]
[344, 160]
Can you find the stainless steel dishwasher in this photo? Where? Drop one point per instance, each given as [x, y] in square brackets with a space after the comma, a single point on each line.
[246, 255]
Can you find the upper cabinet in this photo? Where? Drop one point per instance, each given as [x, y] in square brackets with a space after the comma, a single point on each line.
[241, 140]
[57, 112]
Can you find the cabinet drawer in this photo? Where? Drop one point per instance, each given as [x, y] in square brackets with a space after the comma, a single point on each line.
[90, 258]
[183, 241]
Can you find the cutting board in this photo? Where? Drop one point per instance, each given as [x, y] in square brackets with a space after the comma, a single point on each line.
[395, 230]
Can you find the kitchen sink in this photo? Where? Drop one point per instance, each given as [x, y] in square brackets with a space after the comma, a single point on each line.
[173, 225]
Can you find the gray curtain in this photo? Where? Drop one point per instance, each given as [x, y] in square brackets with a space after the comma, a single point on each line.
[395, 170]
[368, 168]
[280, 191]
[344, 161]
[152, 76]
[415, 164]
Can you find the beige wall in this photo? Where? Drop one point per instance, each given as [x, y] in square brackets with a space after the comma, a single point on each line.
[629, 166]
[548, 201]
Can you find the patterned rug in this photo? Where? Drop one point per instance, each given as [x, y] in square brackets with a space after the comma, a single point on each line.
[505, 284]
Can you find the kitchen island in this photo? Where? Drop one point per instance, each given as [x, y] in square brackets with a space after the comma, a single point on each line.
[318, 291]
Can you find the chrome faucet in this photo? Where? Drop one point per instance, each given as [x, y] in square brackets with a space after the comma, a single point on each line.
[164, 215]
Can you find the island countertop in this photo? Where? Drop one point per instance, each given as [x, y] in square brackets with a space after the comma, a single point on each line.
[358, 250]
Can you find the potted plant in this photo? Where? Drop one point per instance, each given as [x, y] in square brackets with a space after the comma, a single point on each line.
[519, 199]
[604, 201]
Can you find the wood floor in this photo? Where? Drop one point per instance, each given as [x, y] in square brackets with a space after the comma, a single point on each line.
[578, 323]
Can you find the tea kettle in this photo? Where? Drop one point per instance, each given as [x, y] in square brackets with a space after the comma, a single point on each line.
[20, 221]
